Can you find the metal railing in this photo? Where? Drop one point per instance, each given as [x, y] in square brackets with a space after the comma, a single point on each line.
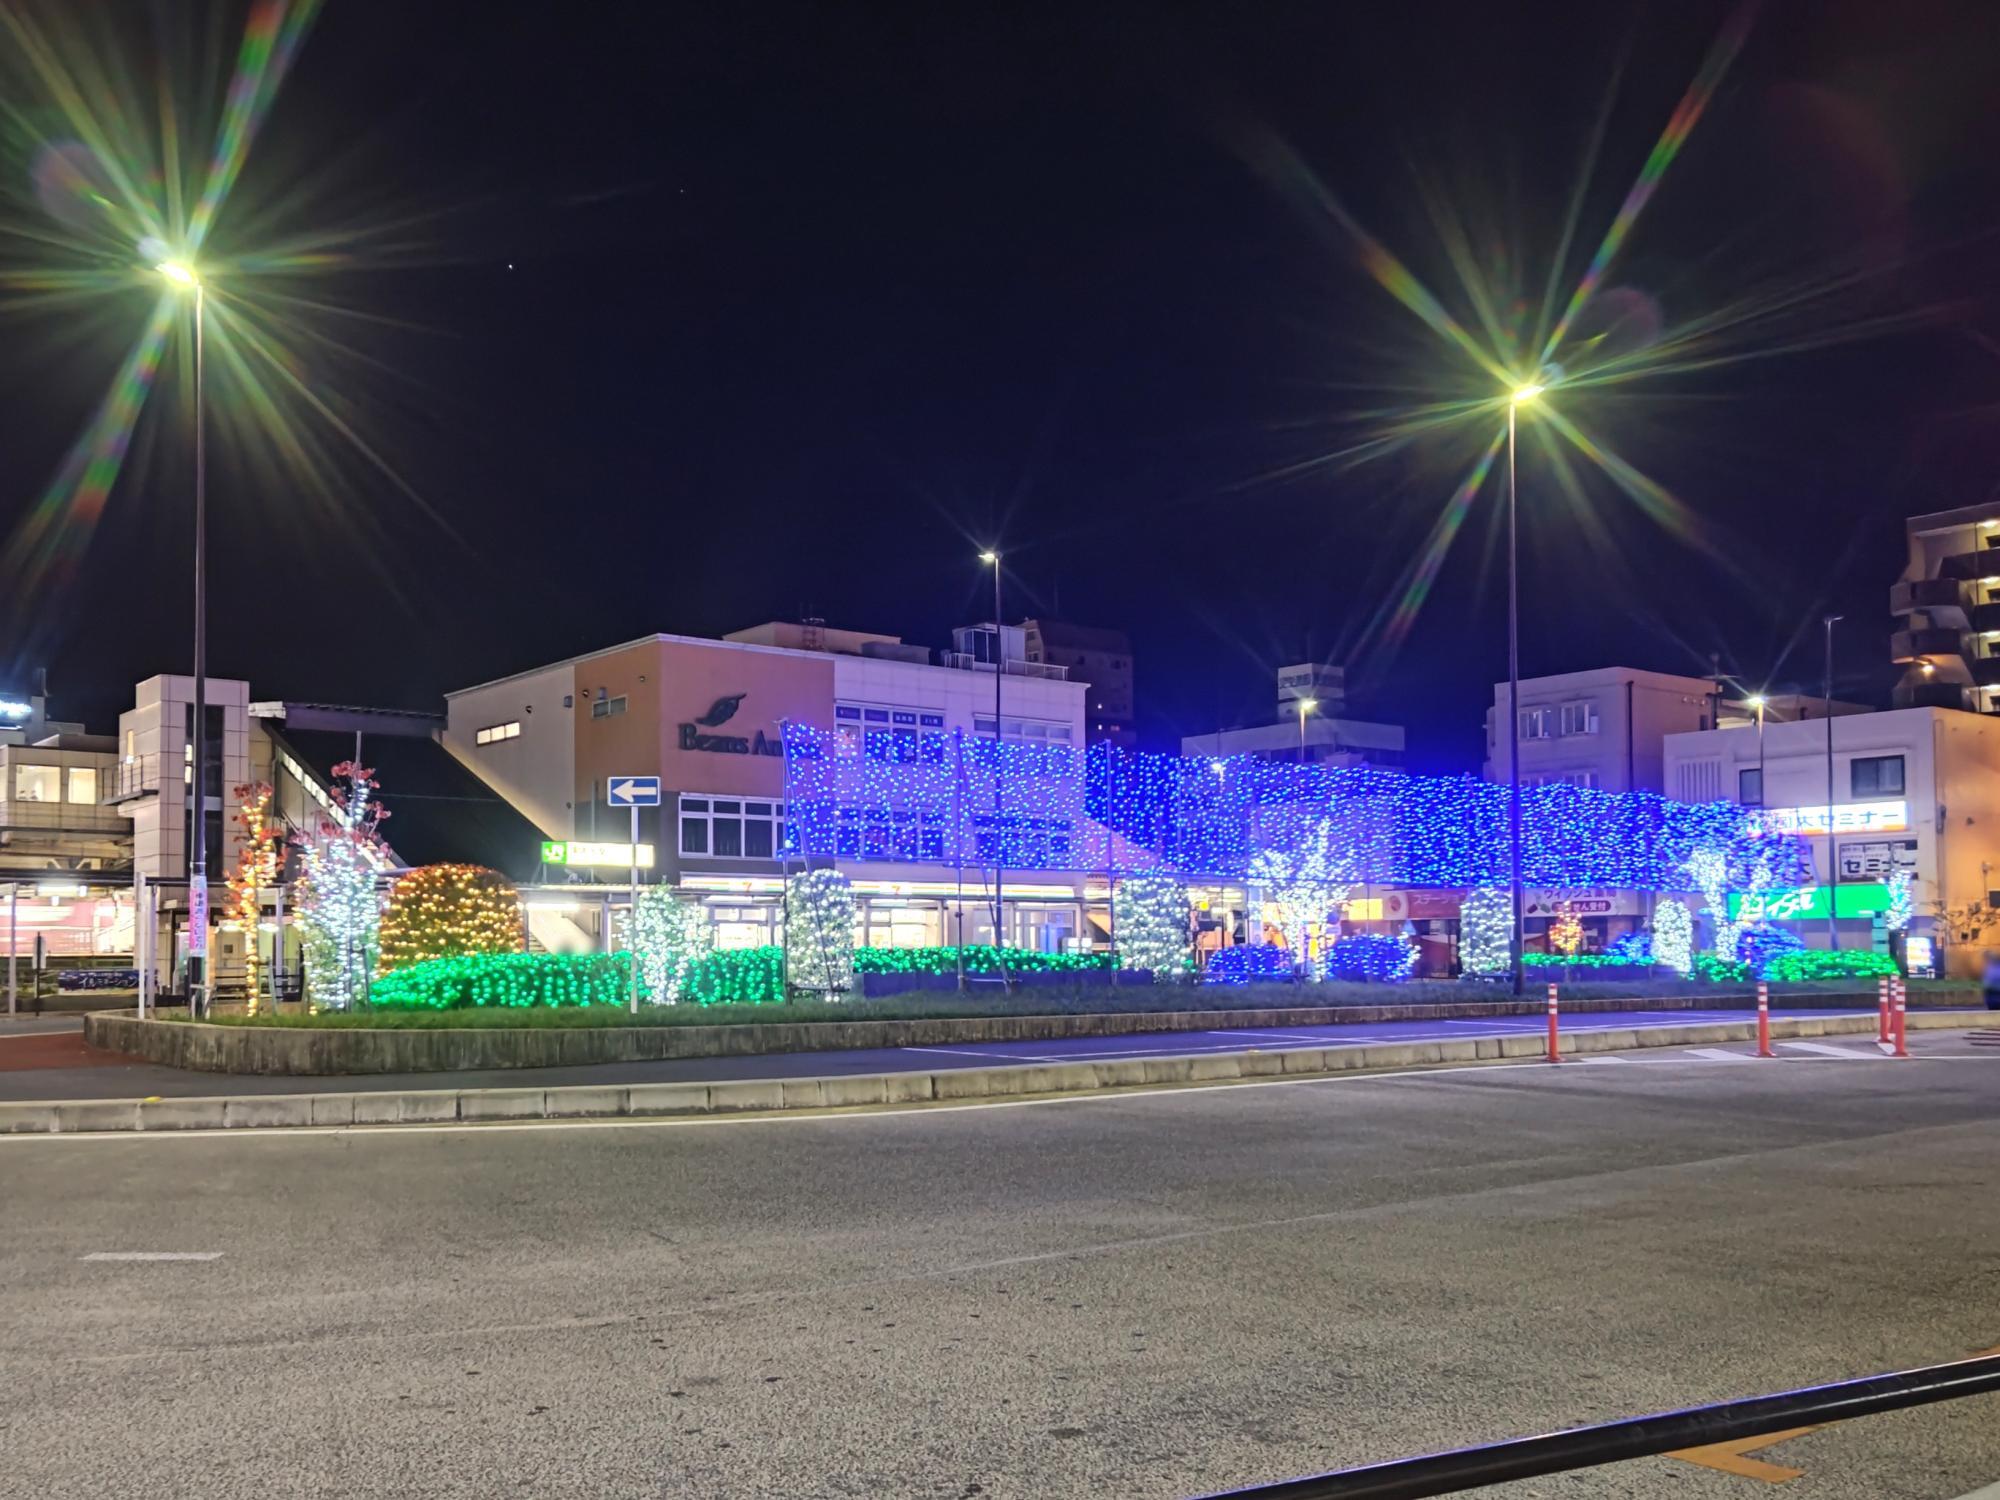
[1636, 1437]
[965, 661]
[62, 817]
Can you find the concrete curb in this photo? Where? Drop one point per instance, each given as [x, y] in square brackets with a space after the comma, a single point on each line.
[301, 1052]
[638, 1100]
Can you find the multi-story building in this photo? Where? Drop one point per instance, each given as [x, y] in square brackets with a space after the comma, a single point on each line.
[1308, 727]
[1603, 728]
[1102, 660]
[1949, 601]
[1915, 790]
[707, 717]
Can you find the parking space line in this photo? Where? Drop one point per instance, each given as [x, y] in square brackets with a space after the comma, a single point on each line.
[152, 1255]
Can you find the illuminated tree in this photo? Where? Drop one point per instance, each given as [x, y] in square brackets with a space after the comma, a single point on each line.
[256, 873]
[672, 937]
[1566, 930]
[447, 911]
[819, 932]
[1486, 931]
[1149, 913]
[1673, 935]
[1305, 883]
[1901, 907]
[334, 897]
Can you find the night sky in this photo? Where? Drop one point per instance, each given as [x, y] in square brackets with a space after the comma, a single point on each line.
[683, 317]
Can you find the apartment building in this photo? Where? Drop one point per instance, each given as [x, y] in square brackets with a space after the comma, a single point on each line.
[1948, 602]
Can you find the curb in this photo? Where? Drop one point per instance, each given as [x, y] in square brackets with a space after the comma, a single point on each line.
[638, 1100]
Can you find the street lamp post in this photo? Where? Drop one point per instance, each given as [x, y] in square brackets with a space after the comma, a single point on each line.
[992, 560]
[1306, 706]
[183, 275]
[1757, 701]
[1520, 396]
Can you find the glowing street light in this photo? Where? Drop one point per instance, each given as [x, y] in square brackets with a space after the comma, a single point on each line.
[1758, 701]
[991, 559]
[182, 276]
[1306, 706]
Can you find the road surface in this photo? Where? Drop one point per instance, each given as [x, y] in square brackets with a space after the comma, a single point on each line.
[1141, 1295]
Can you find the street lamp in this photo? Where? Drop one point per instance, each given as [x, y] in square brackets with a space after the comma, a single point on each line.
[1832, 852]
[1306, 706]
[1757, 701]
[182, 276]
[1519, 397]
[992, 560]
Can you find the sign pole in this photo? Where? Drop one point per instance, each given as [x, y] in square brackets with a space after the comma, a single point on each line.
[632, 912]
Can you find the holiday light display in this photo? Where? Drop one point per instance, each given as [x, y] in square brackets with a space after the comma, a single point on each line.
[1485, 931]
[1565, 930]
[1372, 958]
[512, 980]
[1305, 882]
[444, 911]
[256, 872]
[977, 958]
[1630, 948]
[1252, 963]
[334, 896]
[1762, 945]
[1901, 907]
[1673, 935]
[1807, 964]
[819, 932]
[670, 936]
[1584, 961]
[932, 800]
[1149, 916]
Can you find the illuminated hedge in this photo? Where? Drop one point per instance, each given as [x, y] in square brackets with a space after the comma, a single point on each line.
[517, 980]
[1584, 961]
[1720, 970]
[1371, 958]
[1819, 963]
[980, 958]
[736, 976]
[1249, 963]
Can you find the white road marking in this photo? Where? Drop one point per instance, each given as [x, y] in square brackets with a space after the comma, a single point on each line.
[1825, 1050]
[1600, 1059]
[1991, 1492]
[1716, 1054]
[152, 1255]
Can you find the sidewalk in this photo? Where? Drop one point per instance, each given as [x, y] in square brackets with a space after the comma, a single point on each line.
[112, 1094]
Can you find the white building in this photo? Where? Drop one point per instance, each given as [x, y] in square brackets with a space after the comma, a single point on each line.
[1914, 789]
[1308, 726]
[1603, 728]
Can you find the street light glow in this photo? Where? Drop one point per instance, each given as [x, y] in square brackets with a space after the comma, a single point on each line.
[989, 558]
[1755, 700]
[1307, 705]
[179, 272]
[1523, 394]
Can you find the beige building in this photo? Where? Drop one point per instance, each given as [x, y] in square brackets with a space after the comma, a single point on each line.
[1914, 790]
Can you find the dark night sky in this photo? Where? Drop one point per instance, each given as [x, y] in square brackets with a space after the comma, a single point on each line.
[684, 317]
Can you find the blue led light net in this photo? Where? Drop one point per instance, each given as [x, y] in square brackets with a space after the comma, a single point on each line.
[943, 797]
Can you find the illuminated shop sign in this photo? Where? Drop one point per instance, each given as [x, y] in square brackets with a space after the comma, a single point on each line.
[720, 712]
[1807, 903]
[1848, 817]
[581, 856]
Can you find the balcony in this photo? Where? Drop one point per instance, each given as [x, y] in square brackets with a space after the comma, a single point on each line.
[1930, 640]
[1983, 562]
[138, 776]
[17, 816]
[1931, 695]
[1935, 594]
[1983, 617]
[965, 661]
[1986, 670]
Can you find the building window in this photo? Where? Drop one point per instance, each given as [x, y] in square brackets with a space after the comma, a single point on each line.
[1876, 776]
[37, 784]
[492, 734]
[83, 785]
[1534, 723]
[1750, 787]
[1579, 718]
[607, 708]
[732, 827]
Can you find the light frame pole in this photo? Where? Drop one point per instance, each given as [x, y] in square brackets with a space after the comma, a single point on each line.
[991, 557]
[1757, 701]
[181, 274]
[1832, 850]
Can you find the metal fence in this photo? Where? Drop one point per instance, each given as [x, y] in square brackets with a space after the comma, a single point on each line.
[1636, 1437]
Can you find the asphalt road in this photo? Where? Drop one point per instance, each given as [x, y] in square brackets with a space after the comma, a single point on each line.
[52, 1068]
[1146, 1295]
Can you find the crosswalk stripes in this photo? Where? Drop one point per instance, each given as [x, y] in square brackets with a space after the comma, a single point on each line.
[1825, 1050]
[1717, 1054]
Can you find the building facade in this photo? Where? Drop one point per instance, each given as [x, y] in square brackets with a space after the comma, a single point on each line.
[1100, 659]
[1604, 728]
[1308, 727]
[707, 717]
[1915, 790]
[1948, 603]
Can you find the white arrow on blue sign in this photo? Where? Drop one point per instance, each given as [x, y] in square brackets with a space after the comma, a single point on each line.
[634, 791]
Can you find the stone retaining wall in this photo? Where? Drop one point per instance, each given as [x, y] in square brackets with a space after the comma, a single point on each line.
[285, 1050]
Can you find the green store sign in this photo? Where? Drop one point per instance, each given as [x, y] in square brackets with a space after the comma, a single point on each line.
[1804, 903]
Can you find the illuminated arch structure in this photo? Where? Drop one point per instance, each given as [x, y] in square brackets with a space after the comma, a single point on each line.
[972, 801]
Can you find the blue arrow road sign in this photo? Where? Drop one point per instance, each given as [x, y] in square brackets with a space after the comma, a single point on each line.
[634, 791]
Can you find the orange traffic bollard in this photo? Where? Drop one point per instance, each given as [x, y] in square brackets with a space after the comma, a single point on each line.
[1555, 1036]
[1901, 1017]
[1882, 1007]
[1764, 1020]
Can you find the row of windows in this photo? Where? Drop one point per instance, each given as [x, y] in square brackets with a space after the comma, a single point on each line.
[1559, 719]
[732, 827]
[44, 784]
[607, 708]
[1561, 778]
[1867, 776]
[494, 733]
